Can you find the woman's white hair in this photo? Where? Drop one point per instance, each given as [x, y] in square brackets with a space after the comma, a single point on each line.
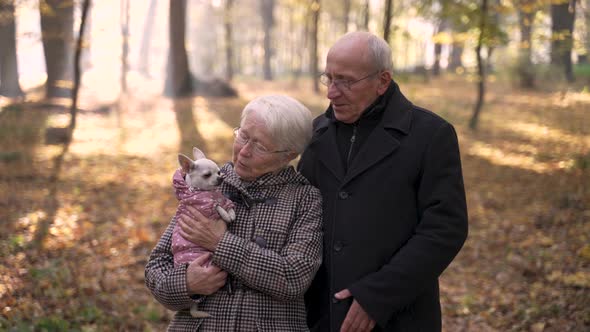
[288, 121]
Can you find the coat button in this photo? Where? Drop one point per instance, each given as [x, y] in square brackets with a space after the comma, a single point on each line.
[343, 195]
[260, 241]
[338, 246]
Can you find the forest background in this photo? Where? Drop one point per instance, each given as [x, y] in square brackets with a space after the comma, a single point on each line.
[97, 98]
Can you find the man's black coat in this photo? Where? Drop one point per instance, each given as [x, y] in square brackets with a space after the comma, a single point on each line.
[394, 219]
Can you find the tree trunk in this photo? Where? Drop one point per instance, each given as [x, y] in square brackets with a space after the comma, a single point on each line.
[52, 203]
[86, 60]
[9, 85]
[178, 78]
[442, 26]
[345, 19]
[583, 58]
[229, 45]
[146, 38]
[480, 67]
[562, 28]
[77, 66]
[494, 21]
[267, 9]
[456, 55]
[315, 8]
[526, 15]
[366, 15]
[57, 22]
[125, 44]
[387, 19]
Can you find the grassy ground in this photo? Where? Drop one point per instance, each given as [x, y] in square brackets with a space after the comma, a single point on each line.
[74, 243]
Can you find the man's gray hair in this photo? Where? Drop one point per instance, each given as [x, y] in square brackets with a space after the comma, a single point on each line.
[380, 52]
[288, 121]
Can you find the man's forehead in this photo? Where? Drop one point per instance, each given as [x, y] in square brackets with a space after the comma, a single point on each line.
[346, 65]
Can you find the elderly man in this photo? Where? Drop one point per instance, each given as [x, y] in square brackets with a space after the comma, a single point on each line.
[394, 205]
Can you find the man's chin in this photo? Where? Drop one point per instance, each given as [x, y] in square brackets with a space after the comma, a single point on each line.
[342, 117]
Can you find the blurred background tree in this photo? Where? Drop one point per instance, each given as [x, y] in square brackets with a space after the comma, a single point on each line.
[9, 84]
[57, 33]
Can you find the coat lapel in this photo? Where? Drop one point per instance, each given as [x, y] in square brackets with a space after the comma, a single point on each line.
[382, 141]
[379, 145]
[327, 152]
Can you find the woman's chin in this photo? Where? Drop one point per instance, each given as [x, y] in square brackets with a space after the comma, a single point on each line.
[242, 172]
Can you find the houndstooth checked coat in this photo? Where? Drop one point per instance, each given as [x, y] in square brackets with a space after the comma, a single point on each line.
[272, 251]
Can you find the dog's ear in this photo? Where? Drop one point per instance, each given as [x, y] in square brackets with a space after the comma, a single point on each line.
[185, 162]
[198, 154]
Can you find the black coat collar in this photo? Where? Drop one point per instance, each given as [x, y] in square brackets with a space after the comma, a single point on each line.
[397, 116]
[395, 106]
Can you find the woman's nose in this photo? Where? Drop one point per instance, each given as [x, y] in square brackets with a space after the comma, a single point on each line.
[246, 150]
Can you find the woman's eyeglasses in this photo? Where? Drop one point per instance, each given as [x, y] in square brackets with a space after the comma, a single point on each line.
[257, 148]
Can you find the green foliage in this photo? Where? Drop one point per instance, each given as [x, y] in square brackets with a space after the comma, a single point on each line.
[150, 312]
[16, 242]
[18, 327]
[15, 125]
[91, 314]
[582, 70]
[582, 161]
[10, 156]
[52, 324]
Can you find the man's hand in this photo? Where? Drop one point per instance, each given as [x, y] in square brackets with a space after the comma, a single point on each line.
[204, 280]
[356, 318]
[200, 230]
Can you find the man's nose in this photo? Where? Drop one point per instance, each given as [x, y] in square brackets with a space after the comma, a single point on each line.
[333, 91]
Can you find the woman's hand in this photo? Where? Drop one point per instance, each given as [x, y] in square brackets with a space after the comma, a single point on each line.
[204, 280]
[201, 231]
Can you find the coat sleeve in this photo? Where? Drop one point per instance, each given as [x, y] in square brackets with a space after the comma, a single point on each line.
[438, 236]
[167, 283]
[284, 275]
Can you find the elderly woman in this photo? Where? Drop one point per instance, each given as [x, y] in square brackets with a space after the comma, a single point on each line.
[264, 261]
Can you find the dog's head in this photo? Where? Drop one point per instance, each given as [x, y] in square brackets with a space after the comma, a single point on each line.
[202, 173]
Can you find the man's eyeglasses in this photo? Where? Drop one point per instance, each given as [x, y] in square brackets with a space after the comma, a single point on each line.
[342, 84]
[257, 148]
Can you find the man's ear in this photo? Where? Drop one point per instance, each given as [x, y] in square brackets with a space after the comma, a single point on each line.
[384, 80]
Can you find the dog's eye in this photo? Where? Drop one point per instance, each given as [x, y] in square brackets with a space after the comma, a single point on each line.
[207, 175]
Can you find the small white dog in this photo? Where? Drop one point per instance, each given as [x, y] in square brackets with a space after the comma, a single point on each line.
[204, 174]
[196, 183]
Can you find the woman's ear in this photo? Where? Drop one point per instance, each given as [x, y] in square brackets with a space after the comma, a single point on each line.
[289, 156]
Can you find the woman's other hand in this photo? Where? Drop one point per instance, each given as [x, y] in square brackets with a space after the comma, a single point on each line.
[204, 280]
[201, 231]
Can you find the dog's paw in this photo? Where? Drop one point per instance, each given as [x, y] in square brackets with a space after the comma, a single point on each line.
[195, 312]
[232, 215]
[226, 215]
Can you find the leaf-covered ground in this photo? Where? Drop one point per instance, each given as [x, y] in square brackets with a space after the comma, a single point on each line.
[76, 236]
